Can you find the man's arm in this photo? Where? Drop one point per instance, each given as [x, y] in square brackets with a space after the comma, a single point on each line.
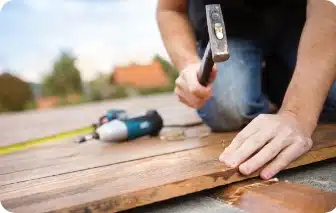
[281, 138]
[176, 32]
[180, 43]
[316, 65]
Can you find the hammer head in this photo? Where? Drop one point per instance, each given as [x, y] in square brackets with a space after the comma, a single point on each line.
[217, 33]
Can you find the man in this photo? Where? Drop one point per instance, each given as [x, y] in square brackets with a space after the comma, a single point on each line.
[278, 83]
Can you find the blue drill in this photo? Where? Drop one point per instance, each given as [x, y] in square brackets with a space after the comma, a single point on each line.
[127, 129]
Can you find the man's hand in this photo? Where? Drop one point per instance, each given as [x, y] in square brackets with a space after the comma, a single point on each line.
[189, 90]
[279, 137]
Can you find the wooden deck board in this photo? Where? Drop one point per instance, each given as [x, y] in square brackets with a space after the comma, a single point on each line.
[73, 157]
[114, 185]
[68, 157]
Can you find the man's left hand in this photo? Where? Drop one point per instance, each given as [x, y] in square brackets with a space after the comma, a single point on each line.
[277, 137]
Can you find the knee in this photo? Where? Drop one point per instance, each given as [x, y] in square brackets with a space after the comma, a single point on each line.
[223, 116]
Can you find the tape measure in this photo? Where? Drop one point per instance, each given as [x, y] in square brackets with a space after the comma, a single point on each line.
[25, 144]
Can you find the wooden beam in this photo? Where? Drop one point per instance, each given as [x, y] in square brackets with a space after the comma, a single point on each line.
[128, 184]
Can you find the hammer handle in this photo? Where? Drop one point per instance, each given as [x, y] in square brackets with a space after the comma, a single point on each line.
[206, 66]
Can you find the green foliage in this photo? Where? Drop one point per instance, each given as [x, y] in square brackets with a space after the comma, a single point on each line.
[14, 93]
[30, 105]
[102, 88]
[64, 79]
[119, 92]
[171, 70]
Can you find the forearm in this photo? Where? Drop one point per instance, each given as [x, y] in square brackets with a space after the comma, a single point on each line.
[177, 35]
[316, 65]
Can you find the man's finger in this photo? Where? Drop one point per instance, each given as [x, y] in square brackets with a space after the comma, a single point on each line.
[285, 157]
[248, 131]
[199, 91]
[250, 146]
[183, 100]
[180, 82]
[196, 88]
[266, 154]
[189, 100]
[180, 96]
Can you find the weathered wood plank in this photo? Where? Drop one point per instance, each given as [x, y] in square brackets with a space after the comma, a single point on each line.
[70, 157]
[93, 155]
[126, 185]
[275, 196]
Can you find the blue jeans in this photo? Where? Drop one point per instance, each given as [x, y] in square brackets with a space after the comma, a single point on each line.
[243, 88]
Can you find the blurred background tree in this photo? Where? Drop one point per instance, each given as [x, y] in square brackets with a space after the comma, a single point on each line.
[65, 86]
[171, 70]
[14, 93]
[103, 87]
[64, 79]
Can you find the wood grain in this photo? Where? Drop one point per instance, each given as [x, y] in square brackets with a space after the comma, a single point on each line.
[277, 197]
[95, 154]
[127, 185]
[69, 157]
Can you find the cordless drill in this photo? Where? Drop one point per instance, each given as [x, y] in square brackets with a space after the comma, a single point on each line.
[127, 129]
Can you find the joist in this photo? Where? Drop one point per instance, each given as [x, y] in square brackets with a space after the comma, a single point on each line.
[104, 177]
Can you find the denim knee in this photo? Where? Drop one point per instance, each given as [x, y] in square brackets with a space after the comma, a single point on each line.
[237, 96]
[228, 116]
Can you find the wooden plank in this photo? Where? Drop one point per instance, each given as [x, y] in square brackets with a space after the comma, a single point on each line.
[76, 157]
[93, 155]
[275, 196]
[127, 185]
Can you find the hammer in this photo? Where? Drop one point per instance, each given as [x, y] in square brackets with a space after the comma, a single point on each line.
[217, 47]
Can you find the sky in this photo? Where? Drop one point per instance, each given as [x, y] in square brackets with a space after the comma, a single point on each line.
[100, 33]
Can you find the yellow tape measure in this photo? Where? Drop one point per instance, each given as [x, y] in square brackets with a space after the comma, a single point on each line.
[23, 145]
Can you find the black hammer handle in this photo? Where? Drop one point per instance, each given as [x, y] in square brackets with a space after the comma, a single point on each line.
[206, 66]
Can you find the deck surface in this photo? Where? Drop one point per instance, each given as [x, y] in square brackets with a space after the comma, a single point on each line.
[18, 127]
[97, 177]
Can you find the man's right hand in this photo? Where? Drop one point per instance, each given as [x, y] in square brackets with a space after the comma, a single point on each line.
[189, 90]
[180, 41]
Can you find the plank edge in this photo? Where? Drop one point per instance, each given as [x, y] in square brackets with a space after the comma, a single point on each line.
[184, 187]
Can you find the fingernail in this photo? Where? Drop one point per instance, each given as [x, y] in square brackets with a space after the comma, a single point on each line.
[266, 175]
[230, 163]
[223, 157]
[245, 170]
